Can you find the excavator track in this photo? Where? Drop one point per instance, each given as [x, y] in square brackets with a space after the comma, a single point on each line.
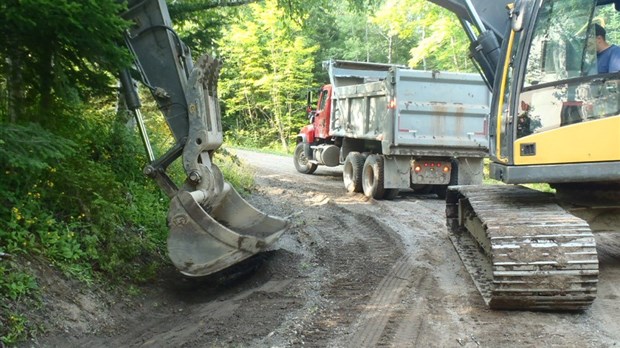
[523, 250]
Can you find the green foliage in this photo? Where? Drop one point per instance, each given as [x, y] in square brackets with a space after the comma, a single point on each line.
[198, 23]
[443, 44]
[31, 146]
[609, 18]
[82, 203]
[54, 53]
[393, 23]
[15, 284]
[15, 287]
[234, 171]
[268, 67]
[17, 326]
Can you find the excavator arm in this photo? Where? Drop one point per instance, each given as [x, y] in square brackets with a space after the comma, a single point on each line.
[211, 226]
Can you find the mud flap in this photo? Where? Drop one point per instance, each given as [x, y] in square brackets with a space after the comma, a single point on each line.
[203, 242]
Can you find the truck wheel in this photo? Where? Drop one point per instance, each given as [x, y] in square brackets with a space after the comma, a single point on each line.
[352, 171]
[302, 164]
[372, 177]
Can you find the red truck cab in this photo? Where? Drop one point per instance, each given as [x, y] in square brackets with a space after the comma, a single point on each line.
[314, 141]
[319, 118]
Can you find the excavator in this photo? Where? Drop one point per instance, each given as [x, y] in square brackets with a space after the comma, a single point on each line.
[553, 119]
[211, 226]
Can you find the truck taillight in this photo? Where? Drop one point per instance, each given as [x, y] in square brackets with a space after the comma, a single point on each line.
[392, 104]
[431, 167]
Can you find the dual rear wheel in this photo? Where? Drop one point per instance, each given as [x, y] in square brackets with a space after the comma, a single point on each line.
[363, 173]
[352, 171]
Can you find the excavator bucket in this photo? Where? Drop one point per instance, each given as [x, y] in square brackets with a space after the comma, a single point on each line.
[203, 242]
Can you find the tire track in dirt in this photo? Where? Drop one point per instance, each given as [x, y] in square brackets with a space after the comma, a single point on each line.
[431, 277]
[382, 304]
[439, 306]
[348, 241]
[607, 304]
[410, 329]
[357, 258]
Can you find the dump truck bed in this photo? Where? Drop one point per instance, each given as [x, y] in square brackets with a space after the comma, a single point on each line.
[411, 111]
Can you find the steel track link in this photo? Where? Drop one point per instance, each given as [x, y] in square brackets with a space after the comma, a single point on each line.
[523, 250]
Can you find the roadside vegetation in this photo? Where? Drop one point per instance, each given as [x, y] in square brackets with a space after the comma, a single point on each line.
[486, 179]
[72, 191]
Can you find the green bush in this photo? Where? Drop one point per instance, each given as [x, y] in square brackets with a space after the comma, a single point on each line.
[234, 172]
[82, 203]
[77, 198]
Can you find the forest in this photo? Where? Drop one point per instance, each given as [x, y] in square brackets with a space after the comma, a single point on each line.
[72, 191]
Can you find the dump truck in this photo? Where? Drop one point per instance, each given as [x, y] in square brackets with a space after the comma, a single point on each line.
[395, 128]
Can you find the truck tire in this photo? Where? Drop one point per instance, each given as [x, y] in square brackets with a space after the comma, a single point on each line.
[372, 177]
[352, 171]
[302, 164]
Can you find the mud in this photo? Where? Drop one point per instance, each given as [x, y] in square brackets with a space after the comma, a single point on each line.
[351, 272]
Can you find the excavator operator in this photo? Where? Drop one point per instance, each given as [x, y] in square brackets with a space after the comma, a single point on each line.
[608, 56]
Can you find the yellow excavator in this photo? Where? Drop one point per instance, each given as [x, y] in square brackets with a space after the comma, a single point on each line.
[555, 118]
[211, 226]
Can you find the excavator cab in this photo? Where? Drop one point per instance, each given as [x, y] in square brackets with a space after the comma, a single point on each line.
[211, 226]
[556, 106]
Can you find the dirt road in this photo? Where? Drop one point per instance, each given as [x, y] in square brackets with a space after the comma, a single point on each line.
[350, 273]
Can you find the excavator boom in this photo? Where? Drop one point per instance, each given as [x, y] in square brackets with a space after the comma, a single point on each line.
[211, 226]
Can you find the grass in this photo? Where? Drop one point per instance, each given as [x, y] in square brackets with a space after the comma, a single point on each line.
[487, 180]
[270, 151]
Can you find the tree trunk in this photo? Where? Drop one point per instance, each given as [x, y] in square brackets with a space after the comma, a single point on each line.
[46, 78]
[15, 86]
[390, 48]
[281, 132]
[455, 58]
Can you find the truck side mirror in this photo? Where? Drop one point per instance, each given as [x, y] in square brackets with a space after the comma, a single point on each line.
[309, 101]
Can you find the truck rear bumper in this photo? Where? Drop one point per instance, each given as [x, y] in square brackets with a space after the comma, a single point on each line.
[398, 172]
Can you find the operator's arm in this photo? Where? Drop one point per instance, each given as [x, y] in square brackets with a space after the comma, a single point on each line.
[614, 60]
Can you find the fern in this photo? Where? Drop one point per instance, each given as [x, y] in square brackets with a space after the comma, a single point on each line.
[31, 147]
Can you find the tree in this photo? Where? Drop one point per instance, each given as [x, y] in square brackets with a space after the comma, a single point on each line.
[54, 52]
[268, 65]
[442, 43]
[394, 22]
